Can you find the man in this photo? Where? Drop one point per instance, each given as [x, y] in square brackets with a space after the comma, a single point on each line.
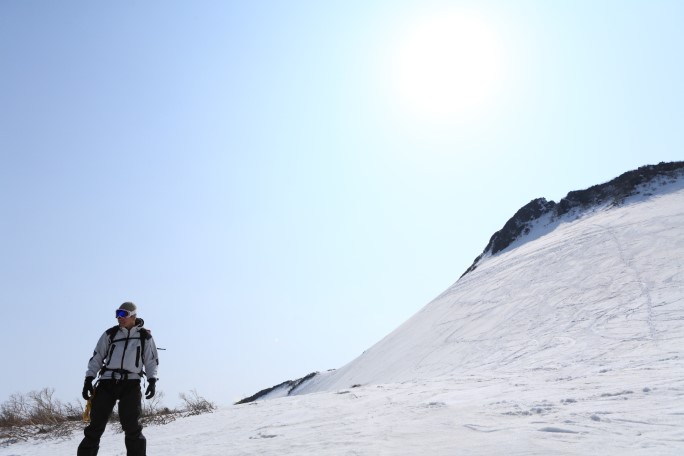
[119, 357]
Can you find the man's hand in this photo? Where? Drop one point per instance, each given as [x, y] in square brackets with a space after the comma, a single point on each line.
[151, 388]
[88, 389]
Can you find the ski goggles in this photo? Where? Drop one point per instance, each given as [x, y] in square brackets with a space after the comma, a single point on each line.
[122, 313]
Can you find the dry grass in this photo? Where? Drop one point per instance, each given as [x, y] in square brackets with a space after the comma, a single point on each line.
[39, 415]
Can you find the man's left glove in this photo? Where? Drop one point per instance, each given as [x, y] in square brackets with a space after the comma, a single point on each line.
[151, 388]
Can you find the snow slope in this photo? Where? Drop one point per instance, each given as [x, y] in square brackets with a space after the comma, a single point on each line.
[569, 342]
[601, 290]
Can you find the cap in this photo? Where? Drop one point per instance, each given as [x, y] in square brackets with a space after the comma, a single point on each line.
[129, 306]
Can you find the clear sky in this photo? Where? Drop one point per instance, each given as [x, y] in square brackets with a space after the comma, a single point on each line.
[280, 184]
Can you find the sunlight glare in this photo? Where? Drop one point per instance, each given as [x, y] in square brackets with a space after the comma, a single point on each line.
[447, 66]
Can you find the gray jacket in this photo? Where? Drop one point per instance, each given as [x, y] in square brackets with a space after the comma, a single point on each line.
[123, 356]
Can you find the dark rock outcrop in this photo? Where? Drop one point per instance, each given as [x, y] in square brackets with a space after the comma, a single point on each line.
[613, 193]
[291, 385]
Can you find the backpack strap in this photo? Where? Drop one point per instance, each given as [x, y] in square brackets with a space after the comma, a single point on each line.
[111, 332]
[144, 335]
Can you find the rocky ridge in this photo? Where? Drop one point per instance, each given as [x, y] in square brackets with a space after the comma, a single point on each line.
[612, 193]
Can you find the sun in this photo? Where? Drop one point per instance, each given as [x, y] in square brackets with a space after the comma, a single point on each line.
[447, 66]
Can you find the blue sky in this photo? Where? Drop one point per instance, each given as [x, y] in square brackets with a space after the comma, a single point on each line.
[257, 179]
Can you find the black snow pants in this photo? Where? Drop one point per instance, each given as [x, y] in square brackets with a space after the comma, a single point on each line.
[127, 392]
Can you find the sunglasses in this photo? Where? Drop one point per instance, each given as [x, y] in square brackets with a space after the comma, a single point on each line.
[121, 313]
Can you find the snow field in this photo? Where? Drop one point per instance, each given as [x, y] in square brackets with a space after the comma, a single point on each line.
[631, 411]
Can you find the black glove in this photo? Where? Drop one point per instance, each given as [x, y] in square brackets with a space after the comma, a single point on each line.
[88, 389]
[151, 388]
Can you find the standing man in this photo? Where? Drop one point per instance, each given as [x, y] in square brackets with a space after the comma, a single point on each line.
[119, 358]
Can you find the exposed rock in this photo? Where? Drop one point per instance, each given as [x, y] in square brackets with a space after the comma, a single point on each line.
[519, 224]
[613, 192]
[291, 385]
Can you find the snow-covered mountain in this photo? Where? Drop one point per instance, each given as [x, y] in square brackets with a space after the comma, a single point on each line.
[593, 283]
[565, 337]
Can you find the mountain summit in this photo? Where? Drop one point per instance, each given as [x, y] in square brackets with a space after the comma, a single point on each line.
[593, 282]
[644, 179]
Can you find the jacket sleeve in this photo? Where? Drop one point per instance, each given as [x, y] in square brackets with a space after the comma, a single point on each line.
[150, 358]
[99, 354]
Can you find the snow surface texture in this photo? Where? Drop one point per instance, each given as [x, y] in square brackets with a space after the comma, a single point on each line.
[568, 342]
